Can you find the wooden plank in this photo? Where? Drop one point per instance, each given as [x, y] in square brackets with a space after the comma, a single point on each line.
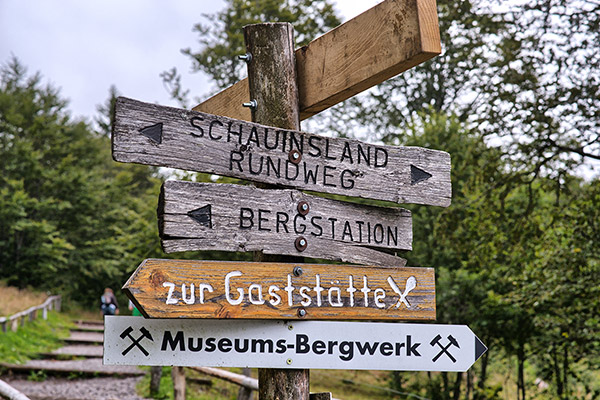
[378, 44]
[164, 136]
[241, 380]
[253, 290]
[208, 216]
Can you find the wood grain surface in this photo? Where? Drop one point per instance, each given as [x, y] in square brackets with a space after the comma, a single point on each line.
[164, 136]
[376, 45]
[253, 290]
[208, 216]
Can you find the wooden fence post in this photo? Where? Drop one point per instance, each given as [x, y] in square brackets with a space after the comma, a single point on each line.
[178, 375]
[274, 98]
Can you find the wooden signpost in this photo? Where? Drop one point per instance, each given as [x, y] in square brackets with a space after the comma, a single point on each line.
[230, 289]
[291, 344]
[284, 86]
[208, 216]
[378, 44]
[170, 137]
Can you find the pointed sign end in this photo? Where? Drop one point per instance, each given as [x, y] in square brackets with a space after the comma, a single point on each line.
[202, 215]
[153, 132]
[480, 348]
[418, 175]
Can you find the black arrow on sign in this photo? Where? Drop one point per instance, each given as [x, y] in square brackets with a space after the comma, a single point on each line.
[202, 215]
[418, 175]
[153, 132]
[480, 348]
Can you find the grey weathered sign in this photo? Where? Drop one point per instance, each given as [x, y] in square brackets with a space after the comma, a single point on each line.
[170, 137]
[297, 344]
[209, 216]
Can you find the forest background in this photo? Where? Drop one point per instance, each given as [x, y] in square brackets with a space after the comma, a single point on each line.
[515, 100]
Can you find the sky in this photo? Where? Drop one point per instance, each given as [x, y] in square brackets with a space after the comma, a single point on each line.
[85, 46]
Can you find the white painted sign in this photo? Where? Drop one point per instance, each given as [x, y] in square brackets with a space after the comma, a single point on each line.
[290, 344]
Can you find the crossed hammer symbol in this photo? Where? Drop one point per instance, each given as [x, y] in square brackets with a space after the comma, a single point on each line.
[411, 283]
[136, 342]
[451, 342]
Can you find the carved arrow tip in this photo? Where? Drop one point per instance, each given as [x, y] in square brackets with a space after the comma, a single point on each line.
[202, 215]
[418, 175]
[153, 132]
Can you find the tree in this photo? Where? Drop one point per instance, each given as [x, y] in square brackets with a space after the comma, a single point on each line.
[223, 41]
[71, 220]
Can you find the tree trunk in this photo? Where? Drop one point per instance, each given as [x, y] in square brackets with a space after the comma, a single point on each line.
[272, 84]
[482, 374]
[457, 385]
[521, 371]
[559, 384]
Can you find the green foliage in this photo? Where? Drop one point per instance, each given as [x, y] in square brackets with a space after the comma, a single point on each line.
[38, 336]
[526, 73]
[71, 220]
[222, 40]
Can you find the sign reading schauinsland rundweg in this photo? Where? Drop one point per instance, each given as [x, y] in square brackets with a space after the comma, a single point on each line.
[170, 137]
[261, 290]
[209, 216]
[296, 344]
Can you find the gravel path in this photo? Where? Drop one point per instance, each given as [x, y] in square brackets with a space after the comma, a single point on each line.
[78, 389]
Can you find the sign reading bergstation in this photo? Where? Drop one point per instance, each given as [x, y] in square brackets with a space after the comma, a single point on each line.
[297, 344]
[170, 137]
[256, 290]
[209, 216]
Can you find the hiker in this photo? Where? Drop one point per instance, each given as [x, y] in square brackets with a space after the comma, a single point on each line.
[109, 304]
[134, 311]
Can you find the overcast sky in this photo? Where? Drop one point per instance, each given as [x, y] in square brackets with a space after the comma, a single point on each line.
[84, 46]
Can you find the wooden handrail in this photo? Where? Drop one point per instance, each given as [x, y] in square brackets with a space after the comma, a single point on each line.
[52, 302]
[10, 392]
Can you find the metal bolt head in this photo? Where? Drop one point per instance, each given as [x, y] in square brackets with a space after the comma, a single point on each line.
[246, 57]
[290, 327]
[303, 208]
[301, 312]
[288, 361]
[294, 156]
[300, 243]
[298, 271]
[251, 104]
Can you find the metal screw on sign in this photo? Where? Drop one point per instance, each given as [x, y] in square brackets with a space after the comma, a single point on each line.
[251, 104]
[301, 312]
[298, 271]
[303, 208]
[290, 327]
[246, 57]
[301, 243]
[294, 156]
[288, 361]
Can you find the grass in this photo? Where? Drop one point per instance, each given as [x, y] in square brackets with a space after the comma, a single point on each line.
[38, 336]
[13, 300]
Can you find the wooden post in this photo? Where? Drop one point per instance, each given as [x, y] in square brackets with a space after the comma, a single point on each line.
[155, 375]
[273, 86]
[178, 376]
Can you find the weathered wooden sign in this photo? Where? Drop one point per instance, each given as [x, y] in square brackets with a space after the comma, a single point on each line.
[170, 137]
[208, 216]
[291, 344]
[257, 290]
[378, 44]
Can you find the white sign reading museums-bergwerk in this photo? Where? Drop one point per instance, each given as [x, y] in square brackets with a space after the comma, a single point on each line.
[297, 344]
